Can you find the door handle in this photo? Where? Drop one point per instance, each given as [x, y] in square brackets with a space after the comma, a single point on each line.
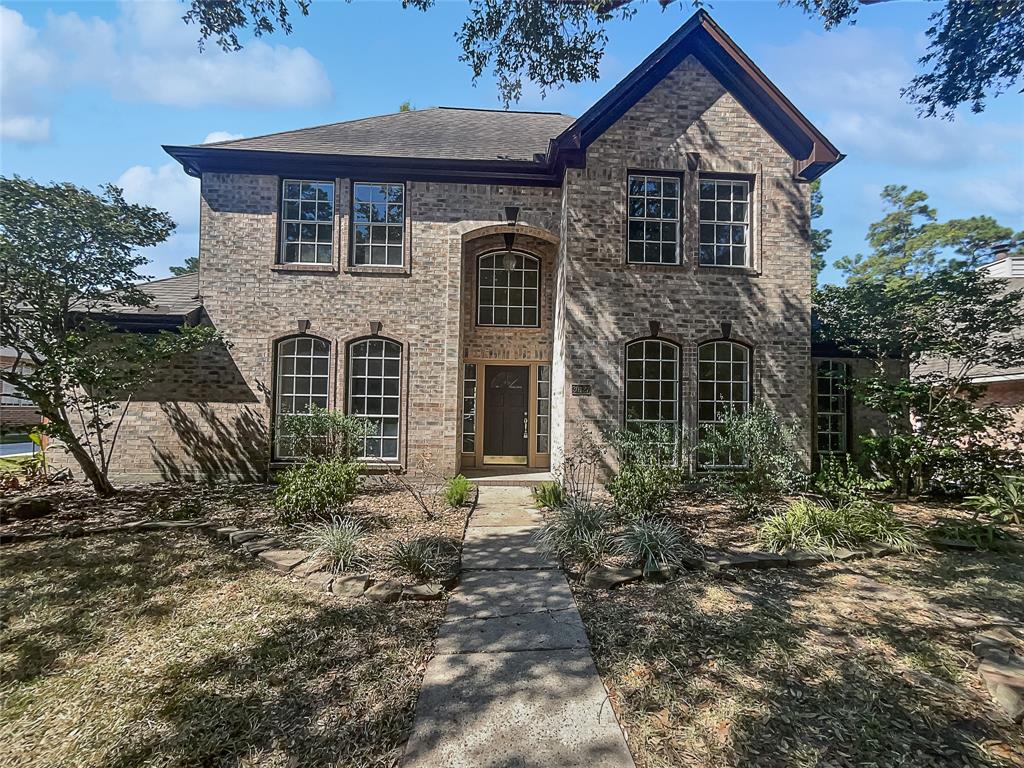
[526, 426]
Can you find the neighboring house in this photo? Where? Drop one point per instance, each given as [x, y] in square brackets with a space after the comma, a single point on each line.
[487, 287]
[1003, 386]
[17, 414]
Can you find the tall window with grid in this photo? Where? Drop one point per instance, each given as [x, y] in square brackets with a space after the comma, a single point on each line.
[307, 222]
[653, 226]
[469, 408]
[378, 224]
[543, 409]
[724, 222]
[830, 385]
[375, 394]
[303, 369]
[723, 388]
[508, 290]
[652, 386]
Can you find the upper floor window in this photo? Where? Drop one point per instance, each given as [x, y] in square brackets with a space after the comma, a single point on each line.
[375, 393]
[508, 290]
[724, 222]
[303, 366]
[378, 224]
[653, 227]
[307, 221]
[830, 407]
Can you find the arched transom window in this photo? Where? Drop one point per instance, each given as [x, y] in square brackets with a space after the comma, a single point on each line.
[723, 387]
[303, 368]
[508, 290]
[375, 394]
[652, 386]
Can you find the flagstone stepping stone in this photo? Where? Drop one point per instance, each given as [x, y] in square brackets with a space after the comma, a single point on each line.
[423, 592]
[349, 584]
[607, 577]
[256, 546]
[389, 591]
[312, 565]
[283, 559]
[801, 558]
[877, 549]
[844, 555]
[238, 538]
[225, 532]
[661, 575]
[321, 581]
[1005, 683]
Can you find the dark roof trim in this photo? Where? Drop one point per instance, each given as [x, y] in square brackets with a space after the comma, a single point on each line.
[700, 36]
[704, 39]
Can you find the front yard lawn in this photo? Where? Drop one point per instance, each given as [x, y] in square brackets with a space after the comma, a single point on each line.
[169, 649]
[864, 663]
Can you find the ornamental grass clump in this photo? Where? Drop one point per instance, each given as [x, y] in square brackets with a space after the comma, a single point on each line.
[550, 495]
[651, 544]
[457, 491]
[425, 557]
[336, 542]
[315, 489]
[577, 532]
[810, 525]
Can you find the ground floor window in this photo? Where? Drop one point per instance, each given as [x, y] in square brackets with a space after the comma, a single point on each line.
[469, 408]
[652, 386]
[303, 365]
[723, 387]
[374, 394]
[830, 407]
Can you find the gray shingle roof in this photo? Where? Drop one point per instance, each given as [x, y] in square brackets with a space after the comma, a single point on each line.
[447, 133]
[170, 296]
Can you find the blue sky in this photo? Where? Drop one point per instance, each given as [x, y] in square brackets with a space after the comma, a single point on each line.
[90, 91]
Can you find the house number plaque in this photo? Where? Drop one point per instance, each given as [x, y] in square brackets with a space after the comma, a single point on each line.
[582, 389]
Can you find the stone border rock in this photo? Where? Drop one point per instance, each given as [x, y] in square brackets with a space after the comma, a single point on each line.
[1001, 667]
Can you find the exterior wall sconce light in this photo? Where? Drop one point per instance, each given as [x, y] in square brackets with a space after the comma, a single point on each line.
[303, 325]
[511, 214]
[375, 327]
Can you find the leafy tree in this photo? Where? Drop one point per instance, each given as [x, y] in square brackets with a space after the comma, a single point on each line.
[67, 254]
[406, 106]
[821, 239]
[975, 47]
[191, 265]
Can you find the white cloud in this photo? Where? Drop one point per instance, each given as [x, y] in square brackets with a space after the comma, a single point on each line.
[25, 129]
[999, 195]
[216, 136]
[166, 188]
[850, 80]
[145, 54]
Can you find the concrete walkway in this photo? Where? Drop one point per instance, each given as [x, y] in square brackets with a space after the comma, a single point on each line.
[512, 683]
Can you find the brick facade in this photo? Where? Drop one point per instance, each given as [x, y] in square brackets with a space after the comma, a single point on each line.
[592, 302]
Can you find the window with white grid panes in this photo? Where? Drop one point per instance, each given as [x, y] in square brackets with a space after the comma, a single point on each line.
[303, 370]
[543, 409]
[378, 224]
[469, 408]
[724, 210]
[307, 222]
[723, 387]
[652, 387]
[830, 411]
[652, 231]
[508, 290]
[375, 394]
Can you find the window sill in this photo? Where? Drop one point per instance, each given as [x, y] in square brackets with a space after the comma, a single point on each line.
[321, 268]
[382, 467]
[721, 269]
[368, 269]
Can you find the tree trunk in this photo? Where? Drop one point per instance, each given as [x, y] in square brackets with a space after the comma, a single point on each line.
[100, 482]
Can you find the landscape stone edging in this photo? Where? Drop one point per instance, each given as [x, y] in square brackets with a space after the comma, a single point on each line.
[1001, 668]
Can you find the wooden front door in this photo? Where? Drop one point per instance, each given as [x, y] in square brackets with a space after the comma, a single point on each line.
[506, 414]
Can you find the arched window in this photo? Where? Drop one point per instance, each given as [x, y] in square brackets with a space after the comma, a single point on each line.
[652, 386]
[303, 369]
[375, 394]
[723, 387]
[508, 290]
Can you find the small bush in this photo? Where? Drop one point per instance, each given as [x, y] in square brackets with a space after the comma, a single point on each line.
[457, 491]
[651, 544]
[839, 480]
[336, 541]
[577, 532]
[322, 433]
[648, 474]
[1004, 503]
[806, 524]
[425, 558]
[315, 488]
[550, 495]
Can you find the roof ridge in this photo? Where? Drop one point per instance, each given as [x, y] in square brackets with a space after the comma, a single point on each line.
[504, 111]
[169, 277]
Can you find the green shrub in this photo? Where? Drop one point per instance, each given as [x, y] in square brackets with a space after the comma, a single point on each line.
[651, 544]
[648, 473]
[336, 541]
[576, 532]
[426, 557]
[806, 524]
[839, 480]
[315, 488]
[457, 491]
[550, 495]
[1004, 503]
[321, 433]
[982, 535]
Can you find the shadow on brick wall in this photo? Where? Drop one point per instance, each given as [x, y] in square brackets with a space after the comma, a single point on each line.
[213, 445]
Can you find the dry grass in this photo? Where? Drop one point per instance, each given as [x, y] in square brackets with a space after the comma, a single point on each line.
[856, 664]
[168, 649]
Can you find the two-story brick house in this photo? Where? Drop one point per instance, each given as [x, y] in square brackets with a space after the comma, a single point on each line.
[487, 286]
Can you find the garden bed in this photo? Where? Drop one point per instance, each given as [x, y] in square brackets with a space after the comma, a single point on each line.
[846, 664]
